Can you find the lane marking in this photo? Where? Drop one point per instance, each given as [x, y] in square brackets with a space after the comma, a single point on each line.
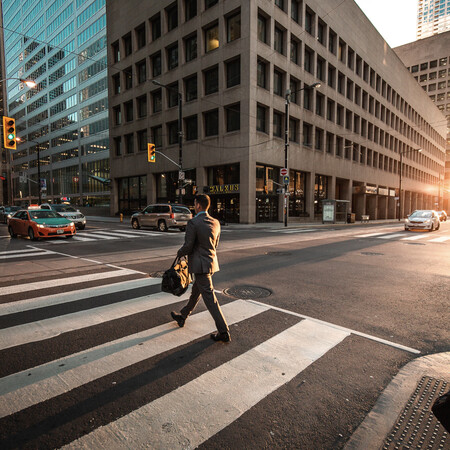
[415, 238]
[391, 236]
[32, 386]
[26, 287]
[369, 235]
[338, 327]
[99, 235]
[177, 420]
[21, 251]
[440, 239]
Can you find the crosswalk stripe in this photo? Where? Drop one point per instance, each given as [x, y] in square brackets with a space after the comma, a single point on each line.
[100, 235]
[369, 235]
[82, 238]
[73, 296]
[391, 236]
[31, 386]
[440, 239]
[23, 254]
[126, 235]
[17, 288]
[21, 251]
[415, 238]
[139, 233]
[179, 417]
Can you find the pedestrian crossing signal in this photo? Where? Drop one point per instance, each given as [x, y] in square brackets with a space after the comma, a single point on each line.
[9, 133]
[151, 153]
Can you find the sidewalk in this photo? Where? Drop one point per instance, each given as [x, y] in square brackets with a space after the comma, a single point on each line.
[402, 416]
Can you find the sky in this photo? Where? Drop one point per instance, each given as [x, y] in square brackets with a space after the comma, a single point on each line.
[395, 20]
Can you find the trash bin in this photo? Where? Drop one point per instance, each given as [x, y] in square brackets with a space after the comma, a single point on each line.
[351, 217]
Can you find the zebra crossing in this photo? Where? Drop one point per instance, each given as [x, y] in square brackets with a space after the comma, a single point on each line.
[100, 351]
[404, 236]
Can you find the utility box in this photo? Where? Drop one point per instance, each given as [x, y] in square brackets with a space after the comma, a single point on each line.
[335, 211]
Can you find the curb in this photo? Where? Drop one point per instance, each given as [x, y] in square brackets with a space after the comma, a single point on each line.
[374, 429]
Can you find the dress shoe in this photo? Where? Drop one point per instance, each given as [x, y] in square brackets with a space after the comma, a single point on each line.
[223, 337]
[178, 319]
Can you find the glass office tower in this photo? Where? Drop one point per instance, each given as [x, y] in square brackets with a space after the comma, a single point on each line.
[63, 121]
[433, 17]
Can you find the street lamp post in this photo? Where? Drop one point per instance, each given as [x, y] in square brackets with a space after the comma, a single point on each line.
[400, 179]
[286, 144]
[180, 137]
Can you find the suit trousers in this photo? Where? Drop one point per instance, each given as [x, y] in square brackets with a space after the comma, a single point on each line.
[203, 285]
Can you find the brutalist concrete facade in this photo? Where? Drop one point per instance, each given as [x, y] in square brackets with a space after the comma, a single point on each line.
[346, 137]
[428, 60]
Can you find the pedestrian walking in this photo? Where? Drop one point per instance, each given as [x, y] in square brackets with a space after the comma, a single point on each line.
[202, 238]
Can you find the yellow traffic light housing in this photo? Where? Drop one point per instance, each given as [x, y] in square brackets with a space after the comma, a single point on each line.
[151, 153]
[9, 133]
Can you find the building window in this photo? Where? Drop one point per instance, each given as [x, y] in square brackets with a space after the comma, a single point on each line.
[156, 101]
[280, 4]
[262, 28]
[233, 69]
[294, 86]
[233, 117]
[309, 60]
[443, 61]
[129, 144]
[295, 11]
[190, 9]
[155, 61]
[278, 83]
[142, 140]
[172, 95]
[141, 70]
[234, 27]
[142, 106]
[211, 38]
[116, 83]
[140, 36]
[319, 139]
[155, 24]
[307, 134]
[293, 130]
[172, 132]
[331, 76]
[117, 112]
[320, 101]
[261, 120]
[127, 45]
[172, 17]
[172, 57]
[115, 52]
[331, 106]
[190, 88]
[278, 41]
[128, 108]
[307, 99]
[211, 77]
[261, 74]
[190, 45]
[118, 146]
[210, 3]
[320, 192]
[321, 32]
[128, 76]
[191, 127]
[330, 143]
[320, 68]
[211, 123]
[332, 39]
[277, 124]
[295, 51]
[309, 21]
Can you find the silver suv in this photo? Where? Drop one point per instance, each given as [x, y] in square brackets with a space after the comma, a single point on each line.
[69, 212]
[162, 216]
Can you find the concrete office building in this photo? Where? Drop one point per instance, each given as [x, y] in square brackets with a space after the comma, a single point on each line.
[233, 63]
[61, 44]
[433, 17]
[428, 60]
[5, 157]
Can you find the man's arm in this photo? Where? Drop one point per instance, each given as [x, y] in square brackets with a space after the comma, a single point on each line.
[189, 240]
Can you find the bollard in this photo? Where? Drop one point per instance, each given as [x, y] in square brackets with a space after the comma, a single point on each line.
[121, 217]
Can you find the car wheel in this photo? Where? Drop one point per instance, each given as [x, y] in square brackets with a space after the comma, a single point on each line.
[431, 228]
[135, 224]
[438, 226]
[69, 236]
[162, 225]
[11, 232]
[31, 234]
[82, 227]
[406, 229]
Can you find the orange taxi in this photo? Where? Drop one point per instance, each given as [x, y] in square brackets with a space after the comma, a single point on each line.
[40, 223]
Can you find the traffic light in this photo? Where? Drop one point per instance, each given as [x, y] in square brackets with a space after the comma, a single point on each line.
[9, 133]
[151, 153]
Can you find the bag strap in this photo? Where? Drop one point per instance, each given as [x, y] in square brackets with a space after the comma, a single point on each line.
[177, 260]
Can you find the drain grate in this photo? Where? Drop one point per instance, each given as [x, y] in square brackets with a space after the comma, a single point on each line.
[278, 253]
[416, 426]
[247, 292]
[156, 274]
[372, 254]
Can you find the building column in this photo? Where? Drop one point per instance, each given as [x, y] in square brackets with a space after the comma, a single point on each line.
[332, 187]
[247, 192]
[309, 197]
[359, 205]
[382, 207]
[371, 206]
[392, 208]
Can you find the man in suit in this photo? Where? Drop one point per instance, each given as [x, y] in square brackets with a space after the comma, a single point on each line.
[202, 238]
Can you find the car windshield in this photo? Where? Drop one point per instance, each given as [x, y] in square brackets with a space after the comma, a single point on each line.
[421, 215]
[180, 209]
[44, 214]
[12, 208]
[63, 208]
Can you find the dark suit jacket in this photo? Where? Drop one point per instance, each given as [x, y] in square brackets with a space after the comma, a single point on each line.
[201, 241]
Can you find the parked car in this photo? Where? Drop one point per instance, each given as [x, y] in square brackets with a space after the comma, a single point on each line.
[423, 220]
[162, 216]
[69, 212]
[442, 216]
[40, 223]
[6, 212]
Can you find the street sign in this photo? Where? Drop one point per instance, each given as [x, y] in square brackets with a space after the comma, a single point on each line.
[43, 184]
[22, 179]
[283, 172]
[181, 175]
[280, 191]
[286, 179]
[43, 194]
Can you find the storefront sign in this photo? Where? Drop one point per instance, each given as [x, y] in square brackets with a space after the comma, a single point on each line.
[328, 212]
[391, 192]
[224, 189]
[383, 191]
[371, 189]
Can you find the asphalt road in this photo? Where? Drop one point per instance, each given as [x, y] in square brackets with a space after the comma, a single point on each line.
[90, 356]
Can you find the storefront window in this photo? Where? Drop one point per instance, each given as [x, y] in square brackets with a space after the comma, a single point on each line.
[167, 185]
[266, 195]
[297, 198]
[132, 193]
[320, 192]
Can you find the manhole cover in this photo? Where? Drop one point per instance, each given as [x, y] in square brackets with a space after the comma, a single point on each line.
[278, 253]
[156, 274]
[247, 292]
[416, 426]
[372, 253]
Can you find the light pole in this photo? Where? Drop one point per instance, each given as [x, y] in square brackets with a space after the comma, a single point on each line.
[400, 179]
[286, 144]
[180, 137]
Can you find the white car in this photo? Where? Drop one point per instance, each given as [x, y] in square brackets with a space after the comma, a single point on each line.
[69, 212]
[424, 219]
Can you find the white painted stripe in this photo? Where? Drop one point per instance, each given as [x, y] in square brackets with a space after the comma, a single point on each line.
[369, 235]
[338, 327]
[122, 235]
[440, 239]
[415, 238]
[73, 296]
[55, 326]
[21, 251]
[99, 235]
[65, 281]
[82, 238]
[222, 395]
[391, 236]
[25, 255]
[138, 233]
[31, 386]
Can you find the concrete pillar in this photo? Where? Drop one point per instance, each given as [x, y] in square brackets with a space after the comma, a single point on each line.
[332, 187]
[371, 206]
[359, 205]
[309, 197]
[392, 208]
[407, 203]
[382, 207]
[247, 192]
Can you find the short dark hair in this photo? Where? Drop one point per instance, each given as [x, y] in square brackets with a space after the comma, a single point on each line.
[203, 200]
